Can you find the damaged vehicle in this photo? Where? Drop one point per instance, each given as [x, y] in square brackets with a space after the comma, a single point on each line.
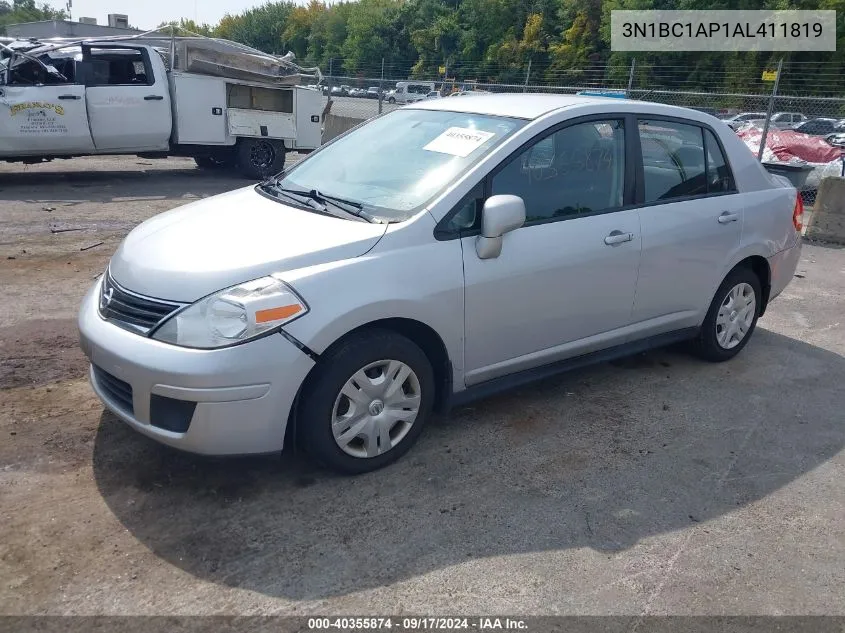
[224, 104]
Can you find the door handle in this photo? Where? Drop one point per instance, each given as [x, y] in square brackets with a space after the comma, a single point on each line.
[618, 237]
[727, 217]
[153, 98]
[69, 97]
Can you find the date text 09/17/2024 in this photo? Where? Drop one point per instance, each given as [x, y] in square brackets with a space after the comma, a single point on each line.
[418, 623]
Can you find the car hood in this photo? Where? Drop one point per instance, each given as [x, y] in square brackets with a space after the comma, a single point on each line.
[190, 252]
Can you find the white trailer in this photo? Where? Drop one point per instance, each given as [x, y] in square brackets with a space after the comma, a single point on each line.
[223, 104]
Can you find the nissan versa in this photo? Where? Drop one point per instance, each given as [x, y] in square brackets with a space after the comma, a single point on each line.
[435, 254]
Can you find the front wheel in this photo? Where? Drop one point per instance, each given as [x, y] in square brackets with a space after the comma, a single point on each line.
[260, 158]
[391, 100]
[732, 316]
[366, 403]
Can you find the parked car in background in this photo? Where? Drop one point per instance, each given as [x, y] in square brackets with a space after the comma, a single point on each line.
[738, 120]
[820, 126]
[410, 91]
[787, 120]
[373, 92]
[837, 140]
[357, 92]
[354, 294]
[434, 94]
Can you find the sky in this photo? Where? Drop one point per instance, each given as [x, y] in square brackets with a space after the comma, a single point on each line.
[148, 14]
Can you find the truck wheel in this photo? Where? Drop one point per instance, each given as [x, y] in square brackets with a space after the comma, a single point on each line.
[260, 158]
[210, 162]
[391, 100]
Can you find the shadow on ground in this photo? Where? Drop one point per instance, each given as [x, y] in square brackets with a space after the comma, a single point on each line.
[107, 185]
[600, 458]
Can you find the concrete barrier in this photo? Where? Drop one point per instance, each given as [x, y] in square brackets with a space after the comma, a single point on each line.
[335, 125]
[827, 222]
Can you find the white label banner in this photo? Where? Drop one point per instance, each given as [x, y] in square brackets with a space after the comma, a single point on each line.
[643, 31]
[459, 141]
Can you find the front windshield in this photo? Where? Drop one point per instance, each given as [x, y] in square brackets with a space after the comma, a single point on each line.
[397, 163]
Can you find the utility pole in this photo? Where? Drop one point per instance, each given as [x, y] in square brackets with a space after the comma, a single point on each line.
[381, 87]
[769, 113]
[631, 78]
[527, 77]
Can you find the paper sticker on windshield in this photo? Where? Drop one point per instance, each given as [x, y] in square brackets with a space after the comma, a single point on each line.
[459, 141]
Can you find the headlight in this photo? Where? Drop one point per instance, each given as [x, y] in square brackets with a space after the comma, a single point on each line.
[233, 315]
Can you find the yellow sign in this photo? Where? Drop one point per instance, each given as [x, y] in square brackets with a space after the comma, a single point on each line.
[442, 70]
[770, 75]
[36, 105]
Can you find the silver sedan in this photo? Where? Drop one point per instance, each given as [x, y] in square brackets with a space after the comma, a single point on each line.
[437, 254]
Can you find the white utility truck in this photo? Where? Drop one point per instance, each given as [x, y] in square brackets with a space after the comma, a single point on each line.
[222, 103]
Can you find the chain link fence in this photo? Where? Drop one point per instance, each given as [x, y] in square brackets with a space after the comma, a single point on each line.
[796, 93]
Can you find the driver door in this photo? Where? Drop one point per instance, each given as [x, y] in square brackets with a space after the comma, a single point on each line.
[42, 118]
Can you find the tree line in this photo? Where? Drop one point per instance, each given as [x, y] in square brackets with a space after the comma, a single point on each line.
[565, 42]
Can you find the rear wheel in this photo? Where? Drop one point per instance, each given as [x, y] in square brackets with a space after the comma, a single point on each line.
[367, 402]
[260, 158]
[732, 316]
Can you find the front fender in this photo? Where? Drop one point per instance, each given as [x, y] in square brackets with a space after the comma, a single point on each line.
[423, 283]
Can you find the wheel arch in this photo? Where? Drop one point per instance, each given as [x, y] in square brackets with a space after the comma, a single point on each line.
[760, 266]
[423, 335]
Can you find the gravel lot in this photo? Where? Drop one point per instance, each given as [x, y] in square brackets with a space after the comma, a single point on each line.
[655, 485]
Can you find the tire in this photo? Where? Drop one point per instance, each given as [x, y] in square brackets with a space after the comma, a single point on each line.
[726, 328]
[331, 404]
[391, 100]
[260, 158]
[211, 162]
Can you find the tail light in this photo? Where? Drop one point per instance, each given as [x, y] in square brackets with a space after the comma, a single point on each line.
[798, 213]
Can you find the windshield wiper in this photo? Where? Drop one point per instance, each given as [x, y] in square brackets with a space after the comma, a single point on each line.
[350, 206]
[302, 197]
[317, 200]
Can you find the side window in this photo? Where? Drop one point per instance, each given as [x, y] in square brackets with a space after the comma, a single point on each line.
[54, 71]
[719, 176]
[577, 170]
[673, 160]
[117, 67]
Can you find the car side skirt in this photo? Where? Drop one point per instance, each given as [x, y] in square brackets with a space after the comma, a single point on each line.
[504, 383]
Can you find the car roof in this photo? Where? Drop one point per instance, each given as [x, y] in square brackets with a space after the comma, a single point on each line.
[520, 106]
[534, 106]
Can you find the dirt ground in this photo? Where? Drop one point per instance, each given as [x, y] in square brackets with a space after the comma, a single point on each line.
[655, 485]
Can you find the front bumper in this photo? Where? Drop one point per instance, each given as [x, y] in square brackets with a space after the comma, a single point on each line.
[243, 394]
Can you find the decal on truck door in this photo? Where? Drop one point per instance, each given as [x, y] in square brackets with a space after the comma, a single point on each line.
[41, 118]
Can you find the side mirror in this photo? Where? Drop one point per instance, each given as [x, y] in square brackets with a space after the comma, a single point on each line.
[501, 214]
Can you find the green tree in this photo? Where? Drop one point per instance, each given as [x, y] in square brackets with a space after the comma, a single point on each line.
[26, 11]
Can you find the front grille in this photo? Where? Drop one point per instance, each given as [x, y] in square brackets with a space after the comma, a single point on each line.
[131, 311]
[118, 391]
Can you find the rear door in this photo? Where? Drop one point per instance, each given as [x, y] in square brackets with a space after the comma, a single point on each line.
[128, 99]
[691, 223]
